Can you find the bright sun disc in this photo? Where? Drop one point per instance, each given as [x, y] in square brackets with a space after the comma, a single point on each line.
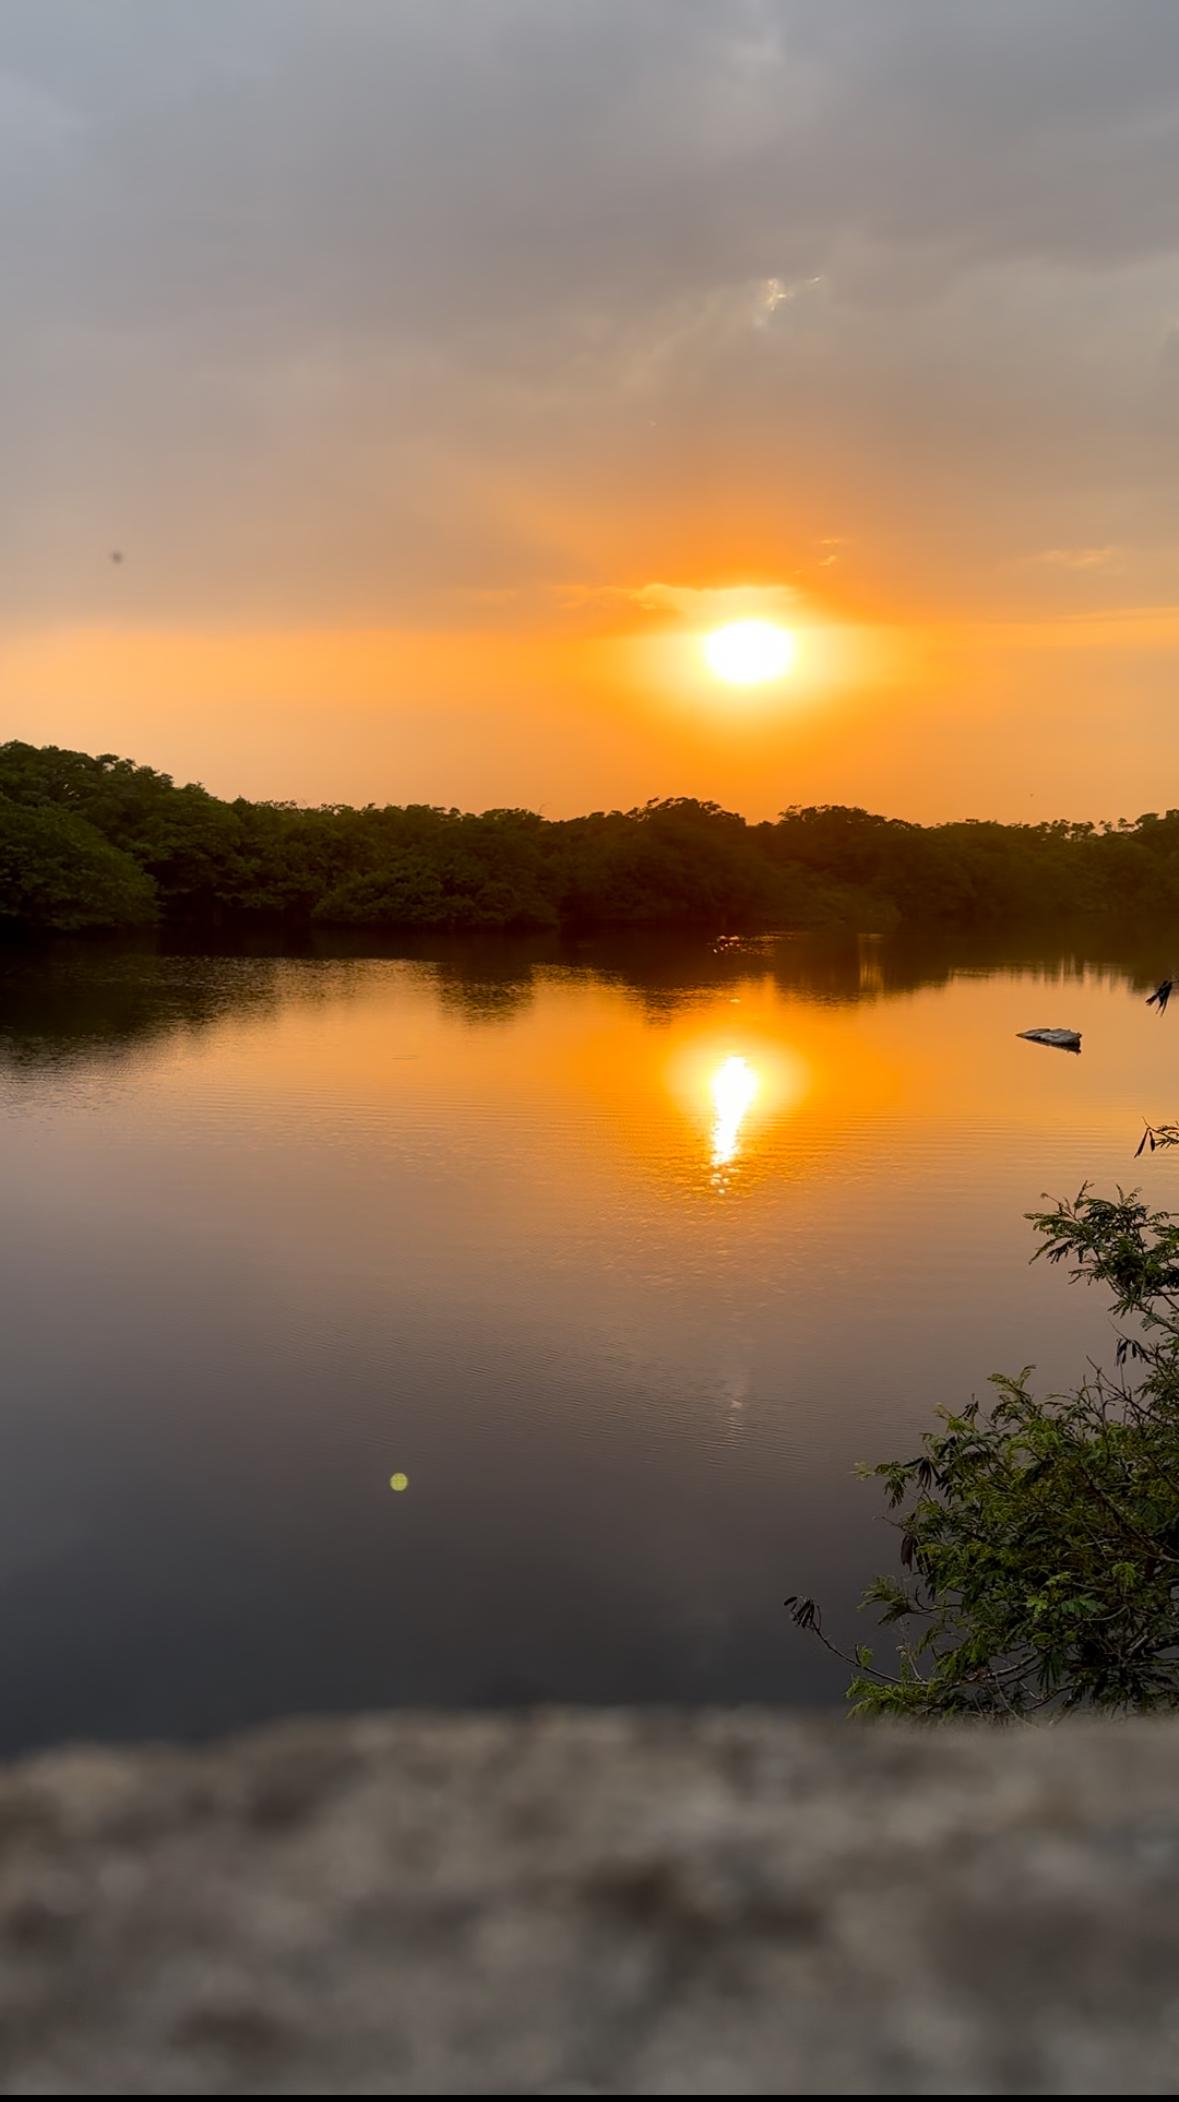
[748, 651]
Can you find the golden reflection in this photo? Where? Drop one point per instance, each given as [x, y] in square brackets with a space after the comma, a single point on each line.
[871, 968]
[734, 1086]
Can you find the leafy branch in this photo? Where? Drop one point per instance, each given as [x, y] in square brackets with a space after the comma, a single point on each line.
[1039, 1536]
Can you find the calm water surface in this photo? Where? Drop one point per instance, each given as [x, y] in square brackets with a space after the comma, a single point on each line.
[624, 1259]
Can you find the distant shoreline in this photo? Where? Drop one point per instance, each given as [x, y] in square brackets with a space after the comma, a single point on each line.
[96, 844]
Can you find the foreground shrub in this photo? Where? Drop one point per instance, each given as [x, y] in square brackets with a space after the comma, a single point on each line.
[1039, 1538]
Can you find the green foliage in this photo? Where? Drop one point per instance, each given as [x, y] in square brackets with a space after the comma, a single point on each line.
[676, 862]
[1040, 1539]
[58, 875]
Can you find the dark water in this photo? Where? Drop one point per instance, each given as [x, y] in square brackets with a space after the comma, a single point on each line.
[625, 1259]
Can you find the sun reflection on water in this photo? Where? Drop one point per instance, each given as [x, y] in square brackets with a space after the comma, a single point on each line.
[736, 1079]
[734, 1086]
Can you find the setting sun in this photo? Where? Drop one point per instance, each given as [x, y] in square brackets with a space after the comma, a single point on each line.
[747, 652]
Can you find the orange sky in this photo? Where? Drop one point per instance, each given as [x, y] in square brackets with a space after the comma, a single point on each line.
[444, 373]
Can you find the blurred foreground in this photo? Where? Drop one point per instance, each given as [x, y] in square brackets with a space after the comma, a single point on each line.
[601, 1903]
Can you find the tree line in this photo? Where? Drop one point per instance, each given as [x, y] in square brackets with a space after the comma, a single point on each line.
[99, 842]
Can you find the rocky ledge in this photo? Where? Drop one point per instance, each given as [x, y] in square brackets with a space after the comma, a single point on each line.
[579, 1903]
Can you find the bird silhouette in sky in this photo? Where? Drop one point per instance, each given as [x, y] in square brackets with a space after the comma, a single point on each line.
[1161, 995]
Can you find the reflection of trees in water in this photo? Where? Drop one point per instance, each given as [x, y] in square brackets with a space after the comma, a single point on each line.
[486, 982]
[845, 971]
[666, 974]
[479, 998]
[492, 980]
[76, 1005]
[74, 1002]
[475, 978]
[1134, 954]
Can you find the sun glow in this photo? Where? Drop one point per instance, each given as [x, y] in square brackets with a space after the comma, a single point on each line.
[748, 652]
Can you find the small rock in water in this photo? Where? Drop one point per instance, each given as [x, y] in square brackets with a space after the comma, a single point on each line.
[1058, 1039]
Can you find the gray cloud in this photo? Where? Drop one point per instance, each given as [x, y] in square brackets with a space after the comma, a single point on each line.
[331, 308]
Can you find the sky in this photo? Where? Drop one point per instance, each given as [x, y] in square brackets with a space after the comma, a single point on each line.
[445, 371]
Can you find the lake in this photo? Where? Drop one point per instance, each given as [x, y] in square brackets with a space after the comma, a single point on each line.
[623, 1256]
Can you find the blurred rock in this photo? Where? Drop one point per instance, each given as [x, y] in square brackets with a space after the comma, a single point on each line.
[597, 1904]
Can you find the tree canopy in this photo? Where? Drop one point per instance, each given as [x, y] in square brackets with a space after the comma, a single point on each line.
[58, 873]
[136, 845]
